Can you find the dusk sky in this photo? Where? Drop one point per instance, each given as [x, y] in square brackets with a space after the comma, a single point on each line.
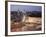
[25, 7]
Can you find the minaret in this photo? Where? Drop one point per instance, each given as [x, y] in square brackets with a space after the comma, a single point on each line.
[24, 16]
[18, 11]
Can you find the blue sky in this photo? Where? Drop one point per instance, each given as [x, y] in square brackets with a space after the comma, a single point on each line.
[25, 7]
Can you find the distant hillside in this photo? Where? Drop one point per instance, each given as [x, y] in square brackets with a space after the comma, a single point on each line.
[34, 14]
